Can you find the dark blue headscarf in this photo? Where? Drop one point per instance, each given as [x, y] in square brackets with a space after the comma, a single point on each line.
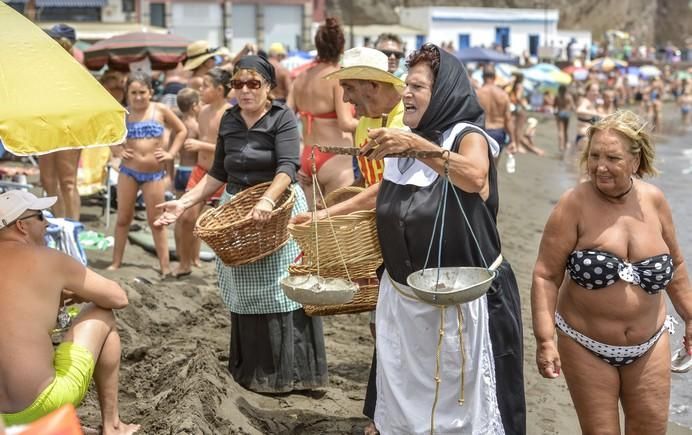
[259, 64]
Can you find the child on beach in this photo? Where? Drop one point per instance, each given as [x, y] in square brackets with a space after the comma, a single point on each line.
[215, 88]
[527, 138]
[189, 105]
[143, 160]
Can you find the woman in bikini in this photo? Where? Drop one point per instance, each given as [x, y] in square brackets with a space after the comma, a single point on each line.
[564, 106]
[327, 120]
[614, 236]
[143, 160]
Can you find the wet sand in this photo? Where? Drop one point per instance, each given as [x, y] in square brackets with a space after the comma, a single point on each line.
[175, 336]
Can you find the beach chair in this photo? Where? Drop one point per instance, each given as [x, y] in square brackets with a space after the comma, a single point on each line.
[93, 178]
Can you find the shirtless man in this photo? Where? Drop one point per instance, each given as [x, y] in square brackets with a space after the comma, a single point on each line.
[498, 114]
[34, 379]
[276, 54]
[587, 113]
[215, 88]
[327, 119]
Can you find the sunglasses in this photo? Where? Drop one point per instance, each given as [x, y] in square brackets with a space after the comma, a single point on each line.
[251, 84]
[390, 53]
[38, 215]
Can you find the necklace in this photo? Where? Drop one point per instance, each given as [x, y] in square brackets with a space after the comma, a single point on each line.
[620, 196]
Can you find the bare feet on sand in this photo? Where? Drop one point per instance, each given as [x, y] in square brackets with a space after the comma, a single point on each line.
[371, 429]
[121, 429]
[113, 267]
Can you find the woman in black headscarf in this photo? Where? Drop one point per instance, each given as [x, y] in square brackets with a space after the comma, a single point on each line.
[442, 110]
[275, 347]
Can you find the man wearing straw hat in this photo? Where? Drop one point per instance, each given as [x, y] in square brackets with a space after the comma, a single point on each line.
[376, 96]
[366, 68]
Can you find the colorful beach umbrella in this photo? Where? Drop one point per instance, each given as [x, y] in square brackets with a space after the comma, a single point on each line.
[164, 51]
[48, 101]
[547, 75]
[503, 74]
[607, 64]
[648, 71]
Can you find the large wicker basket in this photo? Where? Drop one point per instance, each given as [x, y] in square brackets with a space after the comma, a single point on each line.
[341, 243]
[348, 241]
[235, 238]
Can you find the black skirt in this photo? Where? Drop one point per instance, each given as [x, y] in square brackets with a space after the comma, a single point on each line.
[278, 352]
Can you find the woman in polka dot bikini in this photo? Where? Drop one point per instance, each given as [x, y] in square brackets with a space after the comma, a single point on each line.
[614, 236]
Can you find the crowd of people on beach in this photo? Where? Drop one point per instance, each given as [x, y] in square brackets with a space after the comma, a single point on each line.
[427, 134]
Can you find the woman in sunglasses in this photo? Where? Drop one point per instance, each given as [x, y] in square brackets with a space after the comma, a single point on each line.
[275, 347]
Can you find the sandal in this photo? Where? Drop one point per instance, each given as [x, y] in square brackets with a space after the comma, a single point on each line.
[681, 362]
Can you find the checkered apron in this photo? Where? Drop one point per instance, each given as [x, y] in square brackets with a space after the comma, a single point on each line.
[254, 288]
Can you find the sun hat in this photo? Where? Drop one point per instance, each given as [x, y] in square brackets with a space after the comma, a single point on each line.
[15, 202]
[277, 48]
[63, 31]
[363, 63]
[197, 53]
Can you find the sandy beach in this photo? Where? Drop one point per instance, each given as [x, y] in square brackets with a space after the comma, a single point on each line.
[175, 336]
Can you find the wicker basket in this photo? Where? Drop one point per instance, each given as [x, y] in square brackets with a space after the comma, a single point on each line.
[364, 300]
[235, 238]
[348, 241]
[356, 247]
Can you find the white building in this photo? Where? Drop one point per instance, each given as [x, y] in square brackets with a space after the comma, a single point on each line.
[517, 30]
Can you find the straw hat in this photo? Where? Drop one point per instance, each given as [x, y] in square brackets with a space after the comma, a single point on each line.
[197, 53]
[362, 63]
[277, 48]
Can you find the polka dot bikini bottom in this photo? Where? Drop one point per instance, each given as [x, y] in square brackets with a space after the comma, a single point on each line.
[616, 356]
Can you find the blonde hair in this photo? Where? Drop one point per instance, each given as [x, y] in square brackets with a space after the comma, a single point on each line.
[631, 127]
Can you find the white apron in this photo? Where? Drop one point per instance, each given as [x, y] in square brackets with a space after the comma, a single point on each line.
[408, 332]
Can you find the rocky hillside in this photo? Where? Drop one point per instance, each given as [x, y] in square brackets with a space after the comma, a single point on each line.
[653, 21]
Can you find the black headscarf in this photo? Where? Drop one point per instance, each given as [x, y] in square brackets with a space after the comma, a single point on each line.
[259, 64]
[453, 100]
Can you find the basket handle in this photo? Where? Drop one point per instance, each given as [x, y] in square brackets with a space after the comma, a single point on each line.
[316, 188]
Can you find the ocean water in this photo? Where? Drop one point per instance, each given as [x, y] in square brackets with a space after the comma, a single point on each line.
[674, 160]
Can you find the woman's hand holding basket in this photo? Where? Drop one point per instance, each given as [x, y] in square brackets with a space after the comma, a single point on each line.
[262, 211]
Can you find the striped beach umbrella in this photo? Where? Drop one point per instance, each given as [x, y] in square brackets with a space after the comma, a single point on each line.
[164, 51]
[607, 64]
[48, 101]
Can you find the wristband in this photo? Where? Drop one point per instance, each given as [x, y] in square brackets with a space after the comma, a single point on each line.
[269, 200]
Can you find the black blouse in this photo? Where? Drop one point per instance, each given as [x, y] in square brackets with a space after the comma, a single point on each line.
[406, 217]
[245, 157]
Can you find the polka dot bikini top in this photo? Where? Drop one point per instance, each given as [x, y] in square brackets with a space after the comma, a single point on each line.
[597, 269]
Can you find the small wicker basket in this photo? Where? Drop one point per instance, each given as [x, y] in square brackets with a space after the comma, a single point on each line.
[235, 238]
[341, 243]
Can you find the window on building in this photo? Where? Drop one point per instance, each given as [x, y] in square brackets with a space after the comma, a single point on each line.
[502, 36]
[62, 14]
[464, 40]
[128, 5]
[157, 14]
[533, 45]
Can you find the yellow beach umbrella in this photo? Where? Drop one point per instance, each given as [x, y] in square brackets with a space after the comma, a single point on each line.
[48, 101]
